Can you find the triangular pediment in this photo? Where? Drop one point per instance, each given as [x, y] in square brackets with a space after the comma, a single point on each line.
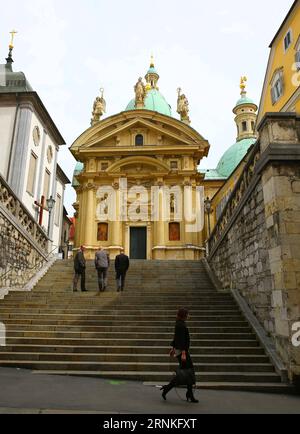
[106, 132]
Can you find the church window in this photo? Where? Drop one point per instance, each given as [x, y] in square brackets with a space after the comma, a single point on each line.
[287, 40]
[174, 231]
[102, 232]
[139, 140]
[32, 174]
[244, 125]
[253, 125]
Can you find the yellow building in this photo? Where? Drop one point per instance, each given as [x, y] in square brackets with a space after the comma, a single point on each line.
[137, 179]
[281, 90]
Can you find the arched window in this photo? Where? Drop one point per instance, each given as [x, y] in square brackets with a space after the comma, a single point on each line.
[139, 140]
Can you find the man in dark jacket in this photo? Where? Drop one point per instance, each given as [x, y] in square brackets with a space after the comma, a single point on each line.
[122, 266]
[79, 267]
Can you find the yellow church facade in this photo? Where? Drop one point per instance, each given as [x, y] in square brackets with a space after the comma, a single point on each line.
[137, 181]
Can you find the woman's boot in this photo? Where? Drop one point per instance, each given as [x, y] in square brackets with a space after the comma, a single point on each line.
[190, 396]
[167, 389]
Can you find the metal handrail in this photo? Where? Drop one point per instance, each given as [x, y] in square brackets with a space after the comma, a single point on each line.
[35, 267]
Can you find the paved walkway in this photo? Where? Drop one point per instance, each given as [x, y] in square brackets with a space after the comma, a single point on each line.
[23, 392]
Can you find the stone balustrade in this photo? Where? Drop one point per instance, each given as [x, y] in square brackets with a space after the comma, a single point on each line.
[23, 243]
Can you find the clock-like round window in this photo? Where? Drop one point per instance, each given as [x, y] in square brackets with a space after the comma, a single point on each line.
[36, 136]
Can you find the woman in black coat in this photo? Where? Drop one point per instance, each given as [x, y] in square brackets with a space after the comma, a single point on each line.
[181, 348]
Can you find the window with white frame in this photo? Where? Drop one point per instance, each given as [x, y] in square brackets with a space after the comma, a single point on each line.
[32, 174]
[288, 40]
[277, 86]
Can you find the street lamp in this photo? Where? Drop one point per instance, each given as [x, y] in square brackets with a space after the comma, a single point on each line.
[50, 205]
[208, 210]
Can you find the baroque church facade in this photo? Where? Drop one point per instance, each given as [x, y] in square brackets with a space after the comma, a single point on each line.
[151, 158]
[138, 183]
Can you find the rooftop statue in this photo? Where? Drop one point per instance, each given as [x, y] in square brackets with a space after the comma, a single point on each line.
[183, 107]
[99, 108]
[140, 94]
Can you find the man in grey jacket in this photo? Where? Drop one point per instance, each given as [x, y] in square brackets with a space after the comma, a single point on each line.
[102, 263]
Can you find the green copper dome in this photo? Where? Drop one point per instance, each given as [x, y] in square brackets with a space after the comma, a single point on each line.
[245, 100]
[233, 156]
[78, 169]
[152, 70]
[154, 101]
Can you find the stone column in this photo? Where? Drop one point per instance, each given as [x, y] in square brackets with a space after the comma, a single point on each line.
[149, 241]
[188, 205]
[88, 217]
[161, 223]
[159, 228]
[117, 226]
[280, 169]
[127, 233]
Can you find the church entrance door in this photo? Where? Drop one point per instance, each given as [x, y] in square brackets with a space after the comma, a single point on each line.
[138, 243]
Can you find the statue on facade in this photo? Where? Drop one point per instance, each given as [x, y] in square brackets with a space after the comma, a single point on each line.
[99, 108]
[183, 107]
[140, 94]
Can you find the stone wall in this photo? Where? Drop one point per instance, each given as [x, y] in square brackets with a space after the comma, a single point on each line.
[23, 244]
[241, 261]
[255, 246]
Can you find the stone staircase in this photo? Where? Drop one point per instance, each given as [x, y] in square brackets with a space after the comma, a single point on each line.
[127, 336]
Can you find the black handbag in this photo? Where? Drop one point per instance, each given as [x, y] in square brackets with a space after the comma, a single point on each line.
[185, 377]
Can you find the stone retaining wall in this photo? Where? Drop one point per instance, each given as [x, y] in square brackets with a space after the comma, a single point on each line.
[241, 261]
[255, 246]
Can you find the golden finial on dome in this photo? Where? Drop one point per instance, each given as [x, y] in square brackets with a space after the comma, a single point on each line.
[13, 33]
[243, 84]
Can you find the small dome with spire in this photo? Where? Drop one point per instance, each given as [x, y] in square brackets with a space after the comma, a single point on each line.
[245, 111]
[154, 100]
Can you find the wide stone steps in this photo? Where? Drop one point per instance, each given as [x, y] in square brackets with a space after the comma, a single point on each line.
[123, 335]
[127, 336]
[121, 329]
[126, 341]
[113, 316]
[133, 350]
[257, 361]
[112, 321]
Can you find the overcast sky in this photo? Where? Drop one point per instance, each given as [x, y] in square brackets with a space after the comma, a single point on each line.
[69, 49]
